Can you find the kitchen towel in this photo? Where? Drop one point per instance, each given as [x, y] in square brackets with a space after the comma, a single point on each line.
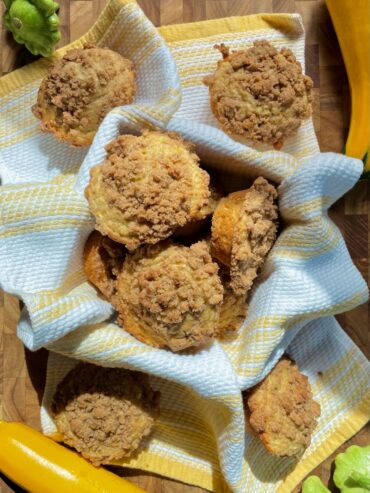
[26, 154]
[44, 222]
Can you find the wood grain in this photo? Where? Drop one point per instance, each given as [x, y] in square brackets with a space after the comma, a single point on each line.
[22, 373]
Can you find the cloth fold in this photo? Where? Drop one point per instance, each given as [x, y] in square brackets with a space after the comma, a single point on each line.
[308, 276]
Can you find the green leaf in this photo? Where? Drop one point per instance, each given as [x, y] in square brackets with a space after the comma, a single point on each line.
[313, 484]
[352, 470]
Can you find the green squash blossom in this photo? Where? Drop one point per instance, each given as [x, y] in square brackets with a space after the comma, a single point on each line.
[313, 484]
[352, 470]
[33, 23]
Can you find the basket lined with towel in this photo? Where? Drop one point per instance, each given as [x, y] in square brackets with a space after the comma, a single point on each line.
[307, 278]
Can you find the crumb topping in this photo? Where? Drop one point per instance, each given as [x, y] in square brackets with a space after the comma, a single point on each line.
[260, 93]
[174, 290]
[150, 185]
[282, 410]
[254, 234]
[84, 85]
[104, 413]
[244, 228]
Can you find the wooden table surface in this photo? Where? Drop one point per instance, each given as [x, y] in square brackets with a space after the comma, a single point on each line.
[22, 372]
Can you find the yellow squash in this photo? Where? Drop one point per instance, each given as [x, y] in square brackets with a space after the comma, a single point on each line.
[351, 19]
[40, 465]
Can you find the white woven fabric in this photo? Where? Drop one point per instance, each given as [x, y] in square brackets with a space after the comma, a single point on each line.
[308, 275]
[30, 155]
[338, 373]
[196, 58]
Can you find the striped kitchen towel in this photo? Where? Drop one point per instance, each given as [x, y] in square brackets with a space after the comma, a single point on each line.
[308, 277]
[26, 154]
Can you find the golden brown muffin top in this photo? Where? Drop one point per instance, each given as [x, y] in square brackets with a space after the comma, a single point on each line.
[104, 413]
[282, 410]
[174, 291]
[254, 234]
[147, 187]
[80, 89]
[244, 228]
[260, 93]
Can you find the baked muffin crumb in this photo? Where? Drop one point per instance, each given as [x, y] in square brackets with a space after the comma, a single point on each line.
[103, 259]
[244, 228]
[104, 413]
[147, 187]
[80, 89]
[260, 93]
[170, 295]
[281, 410]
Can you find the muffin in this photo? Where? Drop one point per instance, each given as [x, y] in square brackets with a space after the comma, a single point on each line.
[244, 227]
[169, 296]
[233, 310]
[260, 94]
[104, 413]
[196, 225]
[80, 89]
[103, 259]
[281, 411]
[147, 187]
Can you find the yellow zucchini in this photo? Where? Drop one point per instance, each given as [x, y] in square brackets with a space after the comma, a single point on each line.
[40, 465]
[351, 19]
